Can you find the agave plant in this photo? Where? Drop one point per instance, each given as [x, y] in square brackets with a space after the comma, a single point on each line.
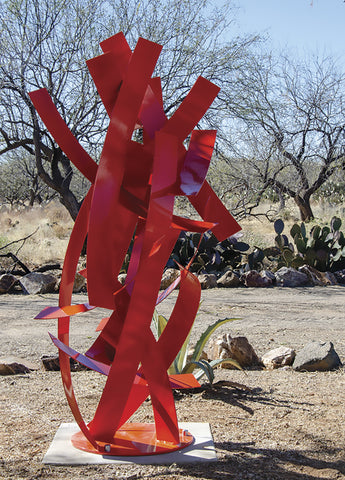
[185, 363]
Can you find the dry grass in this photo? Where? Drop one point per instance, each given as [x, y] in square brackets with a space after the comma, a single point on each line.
[54, 225]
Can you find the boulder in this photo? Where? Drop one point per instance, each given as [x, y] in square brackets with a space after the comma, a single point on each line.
[34, 283]
[207, 280]
[237, 348]
[255, 279]
[169, 276]
[203, 355]
[268, 274]
[79, 283]
[317, 356]
[51, 363]
[15, 366]
[278, 357]
[7, 281]
[122, 278]
[229, 280]
[340, 276]
[289, 277]
[318, 278]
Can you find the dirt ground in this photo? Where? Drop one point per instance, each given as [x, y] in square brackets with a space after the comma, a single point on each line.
[289, 425]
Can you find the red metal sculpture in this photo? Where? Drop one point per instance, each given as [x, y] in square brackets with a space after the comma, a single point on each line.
[132, 193]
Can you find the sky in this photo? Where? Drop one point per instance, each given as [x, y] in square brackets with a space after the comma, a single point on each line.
[302, 27]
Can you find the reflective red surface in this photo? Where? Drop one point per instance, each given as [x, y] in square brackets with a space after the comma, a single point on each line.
[132, 194]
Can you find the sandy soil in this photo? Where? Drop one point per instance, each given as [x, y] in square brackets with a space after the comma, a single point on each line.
[288, 426]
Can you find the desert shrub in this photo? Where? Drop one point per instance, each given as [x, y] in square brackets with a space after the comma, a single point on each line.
[210, 255]
[323, 247]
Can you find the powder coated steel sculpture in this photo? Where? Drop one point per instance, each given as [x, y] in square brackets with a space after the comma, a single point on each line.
[132, 193]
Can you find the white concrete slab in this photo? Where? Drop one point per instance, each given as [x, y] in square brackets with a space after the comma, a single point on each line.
[62, 452]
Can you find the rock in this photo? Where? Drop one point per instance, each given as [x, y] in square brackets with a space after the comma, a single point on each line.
[51, 363]
[169, 276]
[79, 283]
[190, 352]
[268, 274]
[340, 276]
[278, 357]
[207, 280]
[289, 277]
[317, 356]
[13, 369]
[7, 281]
[255, 279]
[122, 278]
[15, 366]
[34, 283]
[318, 278]
[229, 280]
[237, 348]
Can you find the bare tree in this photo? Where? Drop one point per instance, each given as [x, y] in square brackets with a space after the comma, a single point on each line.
[290, 129]
[20, 184]
[45, 43]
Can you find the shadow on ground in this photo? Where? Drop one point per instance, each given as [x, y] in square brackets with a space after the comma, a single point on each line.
[243, 461]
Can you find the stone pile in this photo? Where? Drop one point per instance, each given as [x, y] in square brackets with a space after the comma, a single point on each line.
[315, 356]
[284, 277]
[35, 283]
[39, 283]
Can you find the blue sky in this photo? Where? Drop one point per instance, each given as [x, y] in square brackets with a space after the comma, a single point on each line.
[301, 26]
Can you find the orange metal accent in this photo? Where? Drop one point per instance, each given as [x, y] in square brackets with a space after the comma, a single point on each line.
[68, 311]
[134, 439]
[102, 324]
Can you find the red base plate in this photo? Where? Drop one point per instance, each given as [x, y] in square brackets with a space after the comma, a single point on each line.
[133, 439]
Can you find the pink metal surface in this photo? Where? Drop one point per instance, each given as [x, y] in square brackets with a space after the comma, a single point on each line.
[132, 193]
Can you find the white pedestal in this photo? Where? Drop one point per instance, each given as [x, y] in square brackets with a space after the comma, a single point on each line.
[62, 452]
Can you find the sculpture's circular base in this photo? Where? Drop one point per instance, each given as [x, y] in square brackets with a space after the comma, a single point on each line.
[134, 439]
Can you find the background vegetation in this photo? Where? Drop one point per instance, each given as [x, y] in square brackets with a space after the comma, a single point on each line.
[281, 136]
[51, 226]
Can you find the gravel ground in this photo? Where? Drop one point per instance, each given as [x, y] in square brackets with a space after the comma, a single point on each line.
[284, 425]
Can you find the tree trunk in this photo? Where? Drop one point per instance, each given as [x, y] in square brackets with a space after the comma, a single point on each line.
[69, 201]
[281, 201]
[305, 210]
